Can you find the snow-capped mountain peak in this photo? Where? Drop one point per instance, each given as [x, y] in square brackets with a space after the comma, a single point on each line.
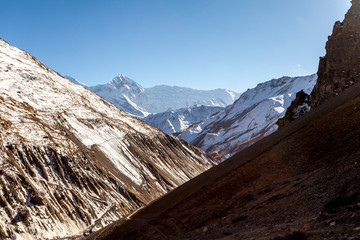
[122, 82]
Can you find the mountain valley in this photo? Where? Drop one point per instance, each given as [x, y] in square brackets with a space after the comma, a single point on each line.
[300, 182]
[117, 161]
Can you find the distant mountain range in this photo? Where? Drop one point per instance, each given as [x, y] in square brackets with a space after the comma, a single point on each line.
[131, 97]
[215, 127]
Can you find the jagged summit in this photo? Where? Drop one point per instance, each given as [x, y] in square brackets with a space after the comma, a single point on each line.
[273, 83]
[340, 68]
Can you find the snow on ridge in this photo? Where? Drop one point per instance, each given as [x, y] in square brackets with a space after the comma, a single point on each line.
[253, 114]
[53, 95]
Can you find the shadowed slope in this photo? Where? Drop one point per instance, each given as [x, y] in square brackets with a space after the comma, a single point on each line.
[305, 177]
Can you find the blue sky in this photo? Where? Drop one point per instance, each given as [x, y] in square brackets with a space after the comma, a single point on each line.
[204, 44]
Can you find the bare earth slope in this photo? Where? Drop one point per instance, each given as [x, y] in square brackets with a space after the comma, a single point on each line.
[302, 181]
[70, 161]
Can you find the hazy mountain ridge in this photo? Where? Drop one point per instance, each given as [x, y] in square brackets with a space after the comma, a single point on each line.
[71, 161]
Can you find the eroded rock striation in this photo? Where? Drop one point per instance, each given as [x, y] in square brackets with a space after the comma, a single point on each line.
[70, 161]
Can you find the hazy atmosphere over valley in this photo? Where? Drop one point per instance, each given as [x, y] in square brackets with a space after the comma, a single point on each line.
[201, 119]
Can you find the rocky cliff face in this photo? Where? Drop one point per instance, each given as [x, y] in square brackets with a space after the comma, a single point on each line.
[298, 107]
[71, 161]
[340, 68]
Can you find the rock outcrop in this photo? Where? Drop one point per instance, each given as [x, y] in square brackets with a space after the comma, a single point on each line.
[340, 68]
[298, 108]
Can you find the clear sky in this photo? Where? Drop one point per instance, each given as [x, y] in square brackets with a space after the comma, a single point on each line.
[203, 44]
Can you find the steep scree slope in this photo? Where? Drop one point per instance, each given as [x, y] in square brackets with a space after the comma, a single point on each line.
[70, 160]
[301, 182]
